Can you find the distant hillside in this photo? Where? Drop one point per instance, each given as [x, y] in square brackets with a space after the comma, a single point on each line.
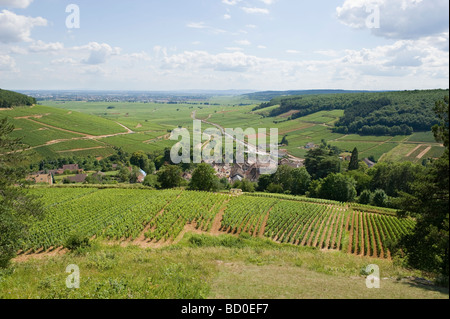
[10, 99]
[381, 113]
[269, 95]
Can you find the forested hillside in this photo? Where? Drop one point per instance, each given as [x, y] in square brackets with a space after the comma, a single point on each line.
[10, 99]
[381, 113]
[269, 95]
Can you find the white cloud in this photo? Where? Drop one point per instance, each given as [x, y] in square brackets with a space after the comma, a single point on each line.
[227, 16]
[231, 2]
[293, 51]
[17, 28]
[98, 53]
[16, 3]
[227, 62]
[243, 42]
[7, 63]
[399, 19]
[261, 47]
[64, 61]
[252, 10]
[234, 49]
[196, 25]
[40, 46]
[268, 2]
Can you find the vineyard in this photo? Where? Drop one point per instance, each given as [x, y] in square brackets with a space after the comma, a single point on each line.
[161, 216]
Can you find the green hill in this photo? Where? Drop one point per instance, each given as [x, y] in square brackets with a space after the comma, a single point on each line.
[381, 113]
[9, 99]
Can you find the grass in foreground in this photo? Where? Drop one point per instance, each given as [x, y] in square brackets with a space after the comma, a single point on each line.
[202, 266]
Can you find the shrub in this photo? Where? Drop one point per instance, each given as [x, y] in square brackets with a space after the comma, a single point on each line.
[76, 241]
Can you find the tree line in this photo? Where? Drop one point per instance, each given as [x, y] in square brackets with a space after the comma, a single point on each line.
[9, 99]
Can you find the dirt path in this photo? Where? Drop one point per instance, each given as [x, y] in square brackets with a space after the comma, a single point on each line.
[415, 149]
[58, 128]
[264, 224]
[424, 152]
[51, 252]
[217, 223]
[82, 149]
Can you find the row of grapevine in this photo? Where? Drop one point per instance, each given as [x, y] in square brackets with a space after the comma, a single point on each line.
[92, 214]
[306, 224]
[371, 233]
[246, 214]
[191, 207]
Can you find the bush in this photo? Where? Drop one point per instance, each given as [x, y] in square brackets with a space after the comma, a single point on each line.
[366, 197]
[76, 241]
[380, 198]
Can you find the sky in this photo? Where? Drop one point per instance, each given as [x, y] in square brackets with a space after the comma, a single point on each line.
[157, 45]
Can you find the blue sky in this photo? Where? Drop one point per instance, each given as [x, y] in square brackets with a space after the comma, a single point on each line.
[225, 44]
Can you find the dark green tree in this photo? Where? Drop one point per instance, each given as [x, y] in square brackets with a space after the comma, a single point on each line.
[427, 246]
[322, 161]
[300, 181]
[380, 198]
[338, 187]
[169, 176]
[204, 179]
[365, 197]
[354, 160]
[17, 208]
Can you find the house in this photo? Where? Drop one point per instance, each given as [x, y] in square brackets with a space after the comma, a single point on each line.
[79, 178]
[369, 163]
[70, 167]
[41, 178]
[310, 146]
[187, 176]
[141, 176]
[291, 163]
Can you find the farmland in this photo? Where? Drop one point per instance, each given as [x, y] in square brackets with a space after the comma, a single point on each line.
[146, 127]
[148, 217]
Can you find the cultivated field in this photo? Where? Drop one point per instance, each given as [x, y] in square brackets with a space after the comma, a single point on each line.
[153, 218]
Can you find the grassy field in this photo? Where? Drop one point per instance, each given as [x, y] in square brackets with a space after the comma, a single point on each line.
[207, 267]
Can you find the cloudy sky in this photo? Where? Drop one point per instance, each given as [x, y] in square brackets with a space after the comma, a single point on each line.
[224, 44]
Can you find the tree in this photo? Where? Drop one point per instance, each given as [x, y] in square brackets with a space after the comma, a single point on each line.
[204, 178]
[169, 176]
[320, 162]
[17, 208]
[124, 175]
[245, 185]
[366, 197]
[354, 160]
[301, 180]
[338, 187]
[380, 198]
[426, 248]
[142, 161]
[151, 181]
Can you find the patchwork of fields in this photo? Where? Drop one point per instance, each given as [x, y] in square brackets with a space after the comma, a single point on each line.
[148, 217]
[64, 129]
